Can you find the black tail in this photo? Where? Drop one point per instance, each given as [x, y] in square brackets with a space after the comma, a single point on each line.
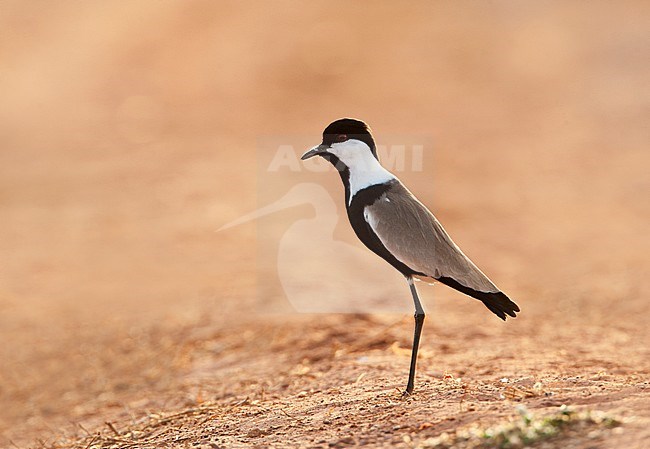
[498, 303]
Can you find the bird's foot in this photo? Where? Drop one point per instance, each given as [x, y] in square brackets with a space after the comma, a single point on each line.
[407, 393]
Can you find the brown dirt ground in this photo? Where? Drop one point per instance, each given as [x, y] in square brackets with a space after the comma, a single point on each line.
[129, 132]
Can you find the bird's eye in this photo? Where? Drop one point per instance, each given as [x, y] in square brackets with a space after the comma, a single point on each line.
[341, 138]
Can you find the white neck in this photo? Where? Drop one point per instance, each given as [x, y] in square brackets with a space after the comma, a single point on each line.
[365, 170]
[370, 175]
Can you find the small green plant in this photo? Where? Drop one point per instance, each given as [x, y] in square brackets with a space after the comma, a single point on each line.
[524, 431]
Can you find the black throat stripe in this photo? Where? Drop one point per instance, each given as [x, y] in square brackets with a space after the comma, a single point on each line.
[367, 197]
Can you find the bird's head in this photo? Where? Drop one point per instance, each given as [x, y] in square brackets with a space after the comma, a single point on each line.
[348, 141]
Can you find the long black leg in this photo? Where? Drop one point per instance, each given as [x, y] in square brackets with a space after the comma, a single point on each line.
[419, 321]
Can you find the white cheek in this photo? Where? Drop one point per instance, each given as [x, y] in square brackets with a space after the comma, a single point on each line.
[365, 169]
[354, 154]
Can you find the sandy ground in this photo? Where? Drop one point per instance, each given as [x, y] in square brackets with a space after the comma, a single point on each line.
[131, 131]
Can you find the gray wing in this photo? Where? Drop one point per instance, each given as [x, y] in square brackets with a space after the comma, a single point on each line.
[415, 237]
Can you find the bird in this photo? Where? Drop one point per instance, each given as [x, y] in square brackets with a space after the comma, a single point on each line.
[391, 222]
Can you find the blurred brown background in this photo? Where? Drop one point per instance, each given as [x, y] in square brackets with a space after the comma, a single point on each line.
[129, 131]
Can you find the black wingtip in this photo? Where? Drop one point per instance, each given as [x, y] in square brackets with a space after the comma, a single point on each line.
[498, 302]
